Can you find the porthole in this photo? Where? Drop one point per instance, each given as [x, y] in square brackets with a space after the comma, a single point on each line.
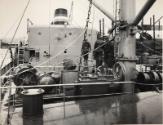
[39, 33]
[59, 38]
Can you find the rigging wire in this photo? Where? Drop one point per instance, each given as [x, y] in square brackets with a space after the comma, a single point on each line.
[49, 28]
[93, 18]
[12, 41]
[60, 53]
[15, 33]
[147, 47]
[113, 8]
[88, 19]
[55, 56]
[77, 56]
[98, 47]
[85, 33]
[8, 117]
[11, 27]
[70, 17]
[86, 29]
[158, 20]
[94, 49]
[68, 46]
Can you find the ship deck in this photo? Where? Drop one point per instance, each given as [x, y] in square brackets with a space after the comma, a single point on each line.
[144, 107]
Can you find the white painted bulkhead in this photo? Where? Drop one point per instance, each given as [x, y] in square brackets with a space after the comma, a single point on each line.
[55, 39]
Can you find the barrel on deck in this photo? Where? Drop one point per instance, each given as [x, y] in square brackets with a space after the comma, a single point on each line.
[32, 102]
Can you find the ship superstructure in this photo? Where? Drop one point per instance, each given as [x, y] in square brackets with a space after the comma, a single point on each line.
[56, 42]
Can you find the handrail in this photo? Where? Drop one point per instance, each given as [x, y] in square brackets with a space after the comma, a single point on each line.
[49, 66]
[81, 84]
[73, 84]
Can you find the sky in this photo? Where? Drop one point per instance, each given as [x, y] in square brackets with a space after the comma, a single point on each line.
[41, 12]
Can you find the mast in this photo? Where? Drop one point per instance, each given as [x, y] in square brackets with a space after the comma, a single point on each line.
[71, 12]
[154, 34]
[127, 45]
[127, 41]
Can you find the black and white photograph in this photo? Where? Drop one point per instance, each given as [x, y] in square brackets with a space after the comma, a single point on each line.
[81, 62]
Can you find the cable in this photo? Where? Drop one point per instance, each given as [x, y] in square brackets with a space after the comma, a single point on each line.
[15, 33]
[62, 51]
[13, 39]
[147, 47]
[93, 18]
[49, 29]
[98, 47]
[158, 20]
[59, 54]
[11, 27]
[87, 20]
[93, 50]
[86, 31]
[68, 46]
[56, 56]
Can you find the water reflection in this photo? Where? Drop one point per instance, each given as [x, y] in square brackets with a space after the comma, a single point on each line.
[33, 120]
[121, 109]
[128, 109]
[112, 109]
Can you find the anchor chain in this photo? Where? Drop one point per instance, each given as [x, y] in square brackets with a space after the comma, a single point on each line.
[86, 29]
[87, 21]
